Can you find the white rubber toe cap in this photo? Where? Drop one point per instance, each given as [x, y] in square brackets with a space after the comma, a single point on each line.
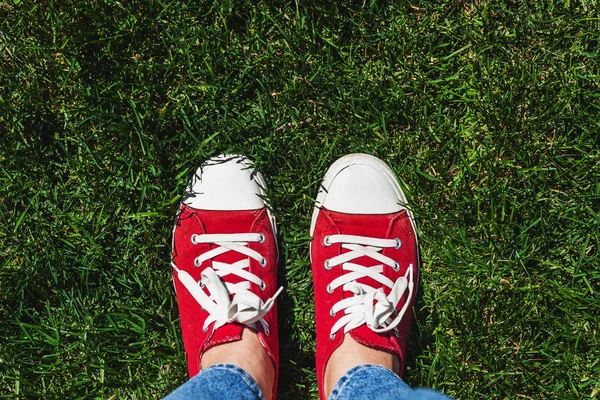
[226, 182]
[361, 184]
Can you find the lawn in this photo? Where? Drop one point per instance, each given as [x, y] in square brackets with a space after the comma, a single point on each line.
[487, 111]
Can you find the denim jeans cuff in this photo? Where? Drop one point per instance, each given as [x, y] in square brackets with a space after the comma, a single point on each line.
[242, 374]
[344, 380]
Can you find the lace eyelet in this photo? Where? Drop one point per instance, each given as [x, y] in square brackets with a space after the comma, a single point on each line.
[331, 336]
[205, 329]
[263, 238]
[263, 285]
[326, 241]
[197, 262]
[398, 243]
[396, 266]
[331, 313]
[193, 239]
[329, 289]
[327, 266]
[263, 262]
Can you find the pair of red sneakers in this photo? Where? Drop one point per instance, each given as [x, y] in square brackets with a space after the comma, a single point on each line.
[364, 259]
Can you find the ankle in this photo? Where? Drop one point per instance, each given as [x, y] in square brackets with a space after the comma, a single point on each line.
[351, 354]
[247, 354]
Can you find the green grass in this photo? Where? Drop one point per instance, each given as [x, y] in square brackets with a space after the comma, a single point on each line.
[487, 111]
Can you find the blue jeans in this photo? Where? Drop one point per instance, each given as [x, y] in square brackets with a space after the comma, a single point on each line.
[226, 382]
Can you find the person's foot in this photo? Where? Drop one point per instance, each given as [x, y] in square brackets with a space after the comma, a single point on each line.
[365, 266]
[224, 262]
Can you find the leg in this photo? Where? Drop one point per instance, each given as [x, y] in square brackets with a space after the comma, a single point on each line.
[249, 355]
[352, 354]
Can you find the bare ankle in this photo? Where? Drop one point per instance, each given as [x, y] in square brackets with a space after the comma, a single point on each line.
[351, 354]
[249, 355]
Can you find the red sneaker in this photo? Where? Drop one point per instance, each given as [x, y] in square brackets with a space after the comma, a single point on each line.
[225, 260]
[365, 261]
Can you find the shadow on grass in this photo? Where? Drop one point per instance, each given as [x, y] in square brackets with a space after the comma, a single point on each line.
[418, 339]
[293, 360]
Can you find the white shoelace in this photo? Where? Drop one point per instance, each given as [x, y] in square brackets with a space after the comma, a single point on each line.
[229, 302]
[368, 305]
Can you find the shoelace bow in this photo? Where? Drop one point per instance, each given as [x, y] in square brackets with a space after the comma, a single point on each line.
[368, 306]
[229, 302]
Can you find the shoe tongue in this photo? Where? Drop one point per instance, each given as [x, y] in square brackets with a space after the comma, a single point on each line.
[225, 334]
[374, 226]
[223, 222]
[379, 341]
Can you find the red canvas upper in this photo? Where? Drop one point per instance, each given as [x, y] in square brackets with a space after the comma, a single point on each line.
[388, 226]
[193, 221]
